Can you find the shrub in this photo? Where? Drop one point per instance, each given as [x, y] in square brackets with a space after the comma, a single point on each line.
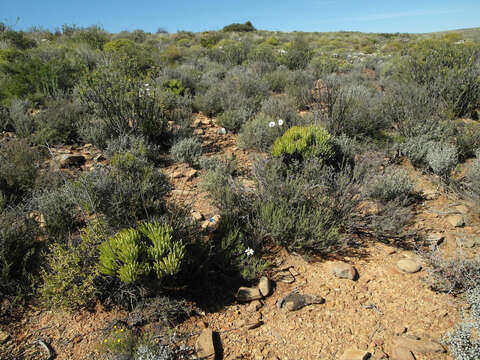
[232, 120]
[119, 45]
[59, 210]
[128, 190]
[58, 124]
[133, 253]
[18, 250]
[187, 150]
[281, 107]
[393, 184]
[298, 55]
[441, 158]
[472, 182]
[246, 27]
[71, 274]
[451, 275]
[210, 102]
[258, 133]
[18, 169]
[415, 149]
[126, 105]
[463, 341]
[20, 118]
[5, 122]
[299, 87]
[277, 80]
[468, 139]
[304, 142]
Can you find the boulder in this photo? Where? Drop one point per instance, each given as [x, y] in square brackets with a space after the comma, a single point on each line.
[343, 270]
[408, 266]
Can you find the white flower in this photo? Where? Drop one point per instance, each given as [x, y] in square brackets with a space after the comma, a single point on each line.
[271, 124]
[280, 122]
[249, 251]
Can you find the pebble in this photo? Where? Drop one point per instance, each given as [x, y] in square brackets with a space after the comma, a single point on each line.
[4, 336]
[255, 305]
[456, 220]
[419, 346]
[355, 354]
[408, 266]
[343, 270]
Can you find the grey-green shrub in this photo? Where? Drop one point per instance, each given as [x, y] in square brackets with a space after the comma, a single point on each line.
[187, 150]
[257, 134]
[393, 184]
[441, 158]
[233, 120]
[21, 120]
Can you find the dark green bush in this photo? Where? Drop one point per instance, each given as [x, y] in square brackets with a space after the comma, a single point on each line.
[246, 27]
[298, 55]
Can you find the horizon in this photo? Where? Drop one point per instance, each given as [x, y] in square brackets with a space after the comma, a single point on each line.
[310, 15]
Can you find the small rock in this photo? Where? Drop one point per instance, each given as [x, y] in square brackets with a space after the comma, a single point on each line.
[198, 132]
[355, 354]
[436, 239]
[222, 131]
[401, 353]
[245, 294]
[295, 301]
[71, 160]
[462, 209]
[430, 194]
[4, 336]
[284, 276]
[205, 121]
[191, 173]
[254, 305]
[99, 158]
[197, 216]
[211, 224]
[177, 174]
[343, 270]
[265, 286]
[400, 330]
[204, 345]
[202, 324]
[419, 346]
[456, 220]
[197, 122]
[408, 266]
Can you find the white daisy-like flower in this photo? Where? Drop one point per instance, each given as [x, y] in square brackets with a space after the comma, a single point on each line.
[271, 124]
[280, 122]
[249, 251]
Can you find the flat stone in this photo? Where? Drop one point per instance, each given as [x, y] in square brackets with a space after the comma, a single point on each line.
[401, 353]
[408, 266]
[211, 224]
[254, 306]
[265, 286]
[355, 354]
[284, 276]
[198, 132]
[204, 345]
[295, 301]
[191, 173]
[245, 294]
[343, 270]
[4, 336]
[197, 216]
[177, 174]
[456, 220]
[430, 194]
[419, 346]
[462, 209]
[435, 238]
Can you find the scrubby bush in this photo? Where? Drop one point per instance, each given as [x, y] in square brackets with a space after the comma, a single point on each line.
[19, 251]
[463, 341]
[70, 278]
[468, 139]
[305, 142]
[277, 80]
[18, 169]
[415, 149]
[20, 118]
[58, 124]
[280, 107]
[124, 104]
[232, 120]
[298, 55]
[393, 184]
[129, 189]
[472, 180]
[259, 133]
[187, 150]
[134, 253]
[441, 158]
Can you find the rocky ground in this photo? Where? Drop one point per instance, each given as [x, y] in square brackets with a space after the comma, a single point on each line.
[373, 303]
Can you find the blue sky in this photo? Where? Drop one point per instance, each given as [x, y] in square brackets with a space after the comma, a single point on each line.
[282, 15]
